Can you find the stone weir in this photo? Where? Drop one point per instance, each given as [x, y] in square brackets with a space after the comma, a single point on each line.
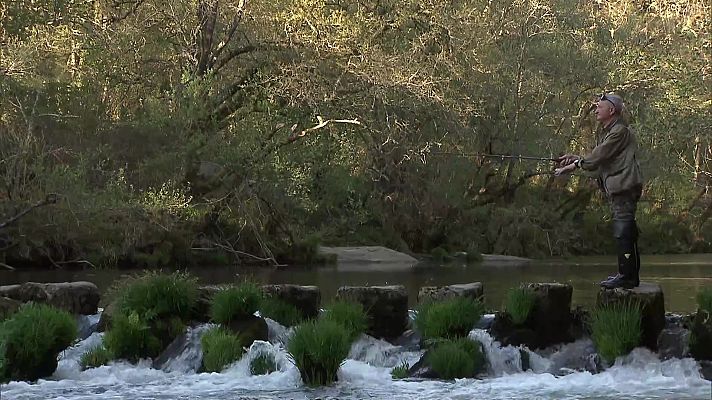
[551, 320]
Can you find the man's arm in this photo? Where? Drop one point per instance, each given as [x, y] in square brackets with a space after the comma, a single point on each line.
[613, 144]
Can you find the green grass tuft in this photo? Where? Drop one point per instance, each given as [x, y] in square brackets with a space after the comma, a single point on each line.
[263, 364]
[280, 311]
[318, 348]
[156, 295]
[32, 338]
[616, 329]
[461, 358]
[220, 349]
[236, 302]
[130, 338]
[704, 299]
[519, 304]
[348, 314]
[400, 371]
[96, 357]
[450, 318]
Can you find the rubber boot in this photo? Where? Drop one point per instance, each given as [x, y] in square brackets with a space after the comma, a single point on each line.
[626, 234]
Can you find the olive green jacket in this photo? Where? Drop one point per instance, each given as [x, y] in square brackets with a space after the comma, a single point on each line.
[613, 159]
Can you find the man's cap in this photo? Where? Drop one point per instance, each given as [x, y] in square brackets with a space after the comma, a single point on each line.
[614, 99]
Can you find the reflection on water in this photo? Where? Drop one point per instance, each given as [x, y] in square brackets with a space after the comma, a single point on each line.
[680, 276]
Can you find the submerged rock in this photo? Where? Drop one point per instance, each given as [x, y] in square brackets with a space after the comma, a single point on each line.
[674, 343]
[386, 307]
[74, 297]
[652, 304]
[438, 293]
[250, 329]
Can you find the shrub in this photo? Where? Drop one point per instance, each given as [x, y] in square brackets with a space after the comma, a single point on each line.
[348, 314]
[318, 348]
[32, 339]
[519, 304]
[130, 338]
[263, 364]
[450, 318]
[400, 371]
[235, 302]
[96, 357]
[704, 299]
[461, 358]
[280, 311]
[220, 349]
[157, 295]
[616, 329]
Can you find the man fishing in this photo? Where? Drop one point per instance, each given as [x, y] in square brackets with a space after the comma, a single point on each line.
[613, 160]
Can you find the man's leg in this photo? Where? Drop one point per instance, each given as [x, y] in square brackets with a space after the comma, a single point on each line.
[625, 231]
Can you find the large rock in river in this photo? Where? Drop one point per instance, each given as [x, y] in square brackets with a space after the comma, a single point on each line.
[652, 305]
[305, 298]
[386, 307]
[74, 297]
[439, 293]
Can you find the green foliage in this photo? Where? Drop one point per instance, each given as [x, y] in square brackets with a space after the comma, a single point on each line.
[32, 339]
[263, 364]
[519, 304]
[95, 357]
[130, 338]
[220, 349]
[348, 314]
[451, 318]
[616, 329]
[462, 358]
[704, 299]
[236, 302]
[281, 311]
[318, 348]
[155, 295]
[400, 371]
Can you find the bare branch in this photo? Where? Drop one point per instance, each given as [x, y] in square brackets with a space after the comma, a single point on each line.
[50, 199]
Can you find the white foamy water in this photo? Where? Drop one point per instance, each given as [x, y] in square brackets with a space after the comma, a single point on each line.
[366, 375]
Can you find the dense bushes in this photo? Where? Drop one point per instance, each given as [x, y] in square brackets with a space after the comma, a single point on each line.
[32, 338]
[616, 329]
[519, 304]
[278, 310]
[462, 358]
[130, 338]
[95, 357]
[348, 314]
[220, 349]
[318, 348]
[236, 302]
[450, 318]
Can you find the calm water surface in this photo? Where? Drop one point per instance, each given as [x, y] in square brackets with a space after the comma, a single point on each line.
[680, 276]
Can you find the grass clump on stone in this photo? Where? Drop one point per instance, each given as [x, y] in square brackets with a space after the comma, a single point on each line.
[263, 364]
[157, 295]
[31, 340]
[318, 348]
[616, 329]
[348, 314]
[400, 371]
[451, 359]
[95, 357]
[451, 318]
[220, 349]
[281, 311]
[704, 299]
[236, 302]
[519, 304]
[130, 338]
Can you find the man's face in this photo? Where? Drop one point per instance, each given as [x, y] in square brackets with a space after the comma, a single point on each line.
[604, 110]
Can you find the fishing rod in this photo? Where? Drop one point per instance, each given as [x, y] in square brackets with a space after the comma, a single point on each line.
[499, 156]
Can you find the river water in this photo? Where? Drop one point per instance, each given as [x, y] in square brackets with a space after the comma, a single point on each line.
[366, 373]
[680, 276]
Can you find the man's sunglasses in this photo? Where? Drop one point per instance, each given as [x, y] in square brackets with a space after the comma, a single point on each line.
[604, 98]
